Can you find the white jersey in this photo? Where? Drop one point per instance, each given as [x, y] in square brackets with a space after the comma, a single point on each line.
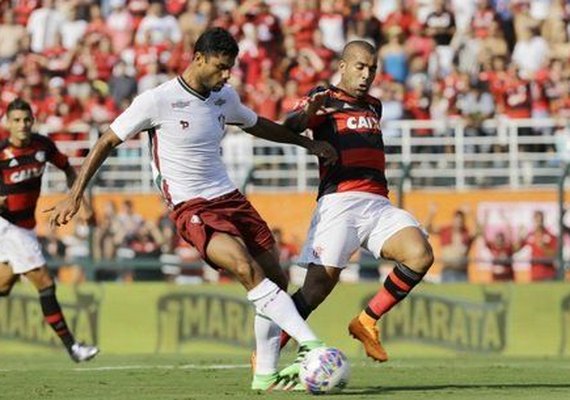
[185, 130]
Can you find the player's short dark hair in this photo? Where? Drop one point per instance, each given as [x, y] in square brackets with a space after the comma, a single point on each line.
[358, 44]
[19, 104]
[216, 41]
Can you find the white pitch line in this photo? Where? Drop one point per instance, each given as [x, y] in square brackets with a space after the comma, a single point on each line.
[187, 366]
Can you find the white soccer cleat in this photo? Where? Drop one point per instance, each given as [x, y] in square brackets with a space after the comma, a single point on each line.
[81, 352]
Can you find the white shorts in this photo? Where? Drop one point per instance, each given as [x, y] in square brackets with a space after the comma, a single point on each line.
[20, 248]
[343, 222]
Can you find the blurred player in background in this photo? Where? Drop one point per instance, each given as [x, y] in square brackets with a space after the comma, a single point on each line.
[353, 209]
[23, 158]
[185, 120]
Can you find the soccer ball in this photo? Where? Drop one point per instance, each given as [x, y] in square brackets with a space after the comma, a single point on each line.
[324, 370]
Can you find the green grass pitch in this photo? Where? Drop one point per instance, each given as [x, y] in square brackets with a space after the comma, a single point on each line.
[190, 377]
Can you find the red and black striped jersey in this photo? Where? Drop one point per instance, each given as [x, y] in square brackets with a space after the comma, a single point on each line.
[21, 170]
[352, 126]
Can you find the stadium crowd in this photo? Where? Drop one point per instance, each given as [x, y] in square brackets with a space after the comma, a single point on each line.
[80, 62]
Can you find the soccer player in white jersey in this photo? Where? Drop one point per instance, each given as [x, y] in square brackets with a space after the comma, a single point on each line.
[185, 119]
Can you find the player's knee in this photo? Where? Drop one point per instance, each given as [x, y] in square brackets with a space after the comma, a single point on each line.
[5, 291]
[244, 270]
[420, 258]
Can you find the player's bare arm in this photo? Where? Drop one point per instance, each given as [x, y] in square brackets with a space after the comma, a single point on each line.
[71, 175]
[269, 130]
[299, 120]
[64, 210]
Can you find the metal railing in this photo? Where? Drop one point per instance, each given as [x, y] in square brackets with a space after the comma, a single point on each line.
[443, 153]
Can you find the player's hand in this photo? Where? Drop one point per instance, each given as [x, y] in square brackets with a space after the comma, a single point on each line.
[325, 151]
[3, 201]
[315, 102]
[63, 211]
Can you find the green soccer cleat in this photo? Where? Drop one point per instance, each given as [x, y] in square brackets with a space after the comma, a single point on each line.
[292, 371]
[271, 382]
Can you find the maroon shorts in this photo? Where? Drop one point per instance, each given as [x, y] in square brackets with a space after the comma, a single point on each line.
[197, 220]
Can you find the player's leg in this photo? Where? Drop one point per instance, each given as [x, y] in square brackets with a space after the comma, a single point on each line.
[331, 240]
[318, 284]
[229, 252]
[7, 279]
[265, 358]
[53, 315]
[413, 255]
[270, 301]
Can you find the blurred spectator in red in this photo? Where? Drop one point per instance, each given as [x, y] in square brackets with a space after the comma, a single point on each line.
[417, 103]
[97, 26]
[326, 55]
[456, 242]
[306, 72]
[104, 58]
[483, 19]
[303, 22]
[287, 251]
[181, 54]
[268, 28]
[147, 53]
[77, 73]
[402, 17]
[44, 24]
[162, 27]
[265, 96]
[57, 95]
[419, 43]
[516, 95]
[120, 25]
[253, 56]
[175, 7]
[10, 35]
[543, 245]
[23, 9]
[501, 248]
[290, 97]
[100, 108]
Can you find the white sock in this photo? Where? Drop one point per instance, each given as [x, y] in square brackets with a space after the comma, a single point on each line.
[276, 304]
[267, 338]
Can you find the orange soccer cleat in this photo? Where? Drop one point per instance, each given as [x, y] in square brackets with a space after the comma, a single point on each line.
[368, 335]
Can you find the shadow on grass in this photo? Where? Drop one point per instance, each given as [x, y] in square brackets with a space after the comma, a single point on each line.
[374, 390]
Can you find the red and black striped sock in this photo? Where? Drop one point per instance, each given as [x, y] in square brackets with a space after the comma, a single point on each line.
[304, 310]
[396, 287]
[54, 316]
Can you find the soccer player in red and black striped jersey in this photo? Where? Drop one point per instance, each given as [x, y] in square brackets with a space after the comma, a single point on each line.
[23, 157]
[353, 209]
